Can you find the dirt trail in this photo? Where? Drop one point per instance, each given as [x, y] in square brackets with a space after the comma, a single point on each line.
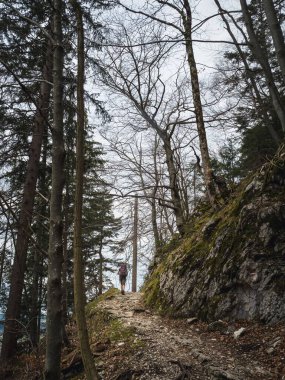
[176, 349]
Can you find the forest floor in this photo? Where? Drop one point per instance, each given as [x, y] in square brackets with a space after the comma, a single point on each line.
[131, 342]
[164, 348]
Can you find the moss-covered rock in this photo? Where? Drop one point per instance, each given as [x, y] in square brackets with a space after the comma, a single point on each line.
[103, 325]
[232, 265]
[91, 307]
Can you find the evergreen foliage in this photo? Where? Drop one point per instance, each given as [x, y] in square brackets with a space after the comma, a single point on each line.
[156, 155]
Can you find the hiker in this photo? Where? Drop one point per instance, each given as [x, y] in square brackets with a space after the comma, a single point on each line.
[123, 272]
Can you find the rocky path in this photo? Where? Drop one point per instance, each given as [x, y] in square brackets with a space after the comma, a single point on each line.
[180, 349]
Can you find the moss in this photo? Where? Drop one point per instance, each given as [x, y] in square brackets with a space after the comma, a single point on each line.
[220, 253]
[104, 326]
[170, 246]
[116, 331]
[151, 289]
[90, 308]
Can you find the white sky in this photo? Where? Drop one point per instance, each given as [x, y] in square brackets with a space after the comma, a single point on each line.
[207, 56]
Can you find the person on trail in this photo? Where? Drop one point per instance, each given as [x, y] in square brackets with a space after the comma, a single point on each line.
[123, 272]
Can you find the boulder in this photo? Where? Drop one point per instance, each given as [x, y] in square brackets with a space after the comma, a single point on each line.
[232, 265]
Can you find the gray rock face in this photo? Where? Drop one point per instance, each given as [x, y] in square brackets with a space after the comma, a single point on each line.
[234, 268]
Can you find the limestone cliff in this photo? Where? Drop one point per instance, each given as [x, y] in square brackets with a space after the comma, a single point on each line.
[232, 265]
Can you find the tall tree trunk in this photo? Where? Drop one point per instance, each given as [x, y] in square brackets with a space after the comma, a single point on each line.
[167, 221]
[54, 295]
[211, 187]
[135, 247]
[79, 291]
[38, 259]
[194, 187]
[174, 187]
[100, 279]
[261, 57]
[40, 297]
[64, 267]
[3, 254]
[34, 310]
[67, 287]
[276, 32]
[172, 170]
[250, 77]
[10, 334]
[154, 225]
[152, 199]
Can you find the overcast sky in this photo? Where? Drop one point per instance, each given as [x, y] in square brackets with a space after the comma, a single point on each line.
[207, 56]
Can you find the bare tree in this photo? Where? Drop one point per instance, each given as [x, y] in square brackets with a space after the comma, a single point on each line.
[184, 12]
[211, 186]
[140, 168]
[135, 73]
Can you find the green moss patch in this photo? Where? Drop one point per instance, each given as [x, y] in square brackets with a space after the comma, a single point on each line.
[104, 326]
[91, 307]
[218, 241]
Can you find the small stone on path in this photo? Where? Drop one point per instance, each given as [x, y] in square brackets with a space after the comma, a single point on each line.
[238, 333]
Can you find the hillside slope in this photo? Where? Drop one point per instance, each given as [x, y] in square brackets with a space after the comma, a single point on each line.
[143, 345]
[128, 342]
[232, 265]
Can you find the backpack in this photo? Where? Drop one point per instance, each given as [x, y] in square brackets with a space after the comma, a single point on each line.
[123, 270]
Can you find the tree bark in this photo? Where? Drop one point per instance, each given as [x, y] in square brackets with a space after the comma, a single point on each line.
[152, 199]
[54, 292]
[156, 235]
[79, 292]
[33, 328]
[64, 267]
[38, 259]
[211, 187]
[10, 334]
[172, 170]
[3, 255]
[174, 187]
[100, 285]
[261, 57]
[168, 222]
[276, 32]
[135, 247]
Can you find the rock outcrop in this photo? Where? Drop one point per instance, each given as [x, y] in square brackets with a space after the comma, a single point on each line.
[232, 265]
